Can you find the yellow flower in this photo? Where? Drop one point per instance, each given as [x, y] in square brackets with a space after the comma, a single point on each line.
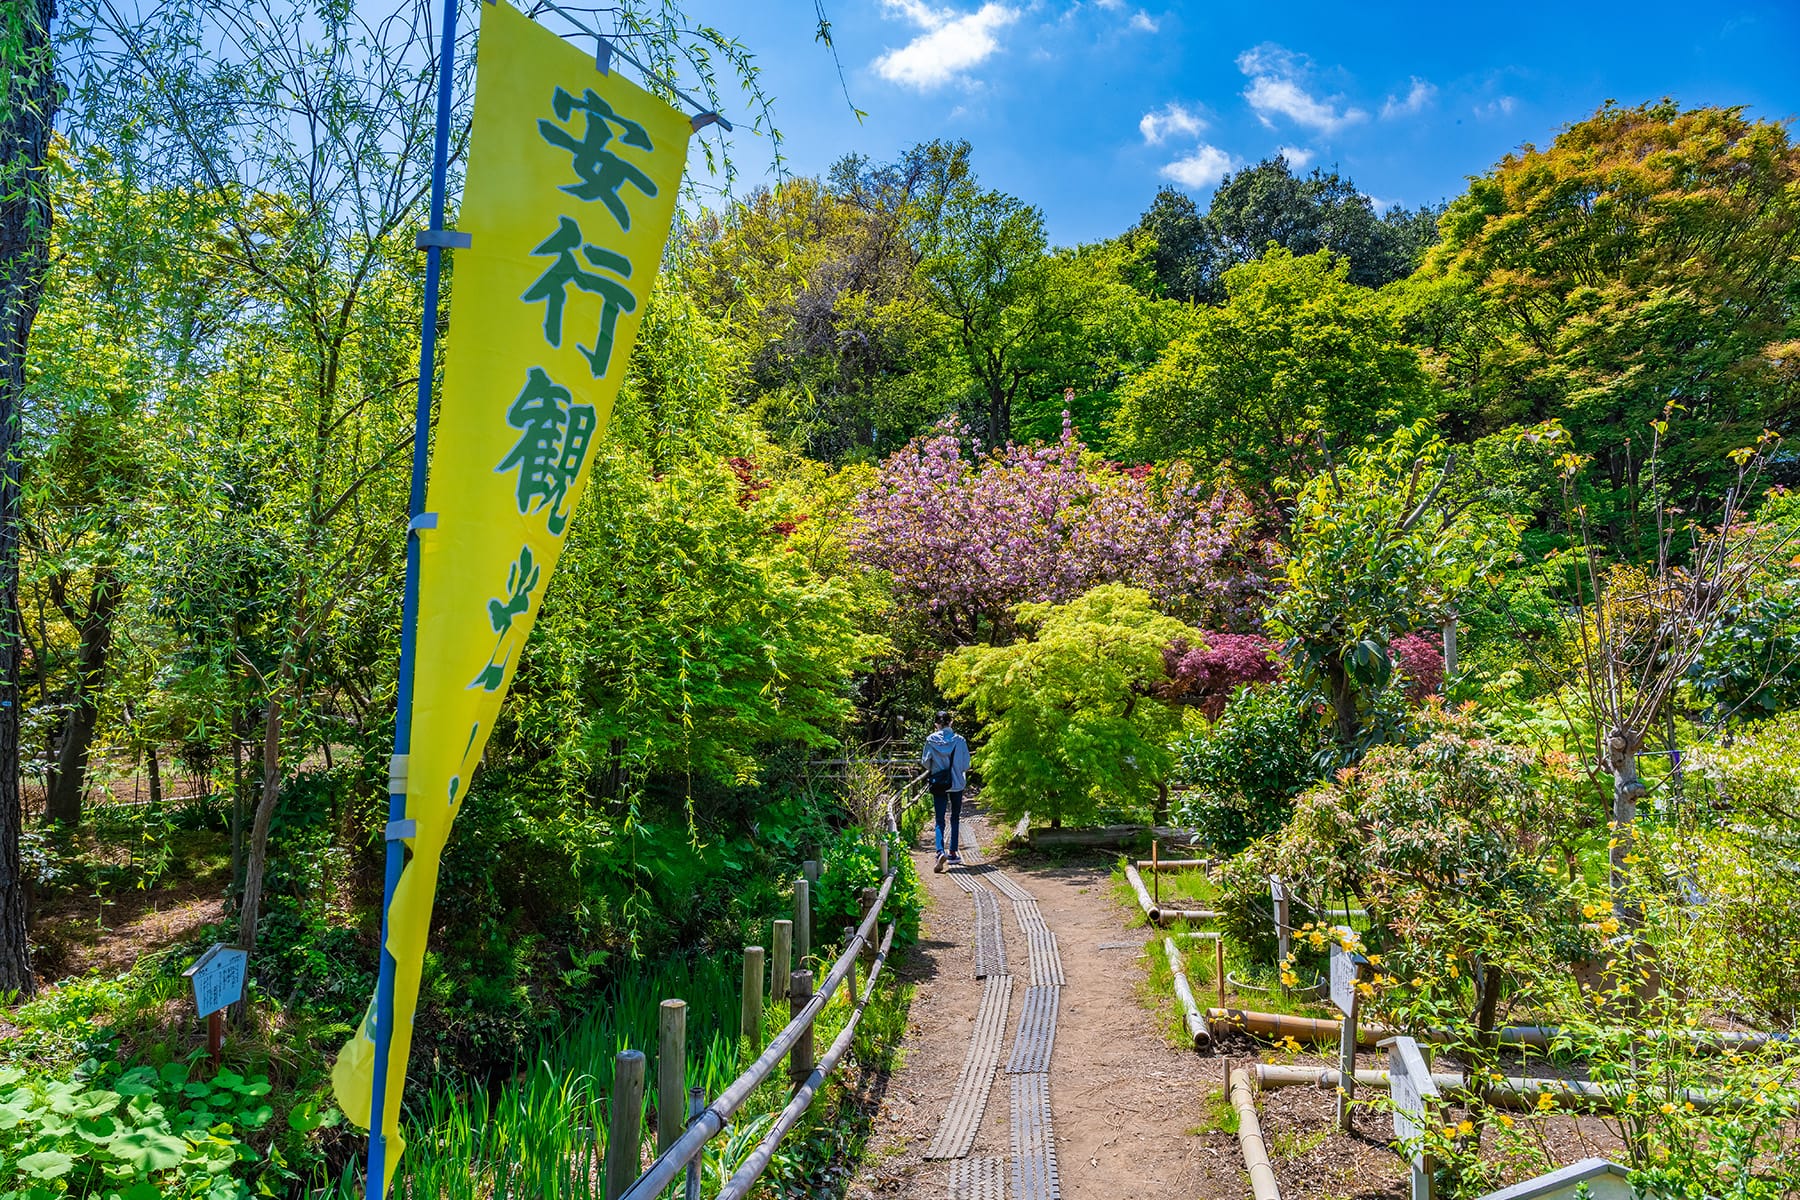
[1449, 1132]
[1630, 1099]
[1687, 1106]
[1545, 1102]
[1417, 982]
[1609, 926]
[1666, 1108]
[1589, 911]
[1453, 971]
[1504, 1120]
[1465, 1128]
[1633, 858]
[1374, 960]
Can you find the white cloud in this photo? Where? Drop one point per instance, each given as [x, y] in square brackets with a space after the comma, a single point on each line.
[1143, 22]
[1203, 168]
[1416, 99]
[950, 44]
[1297, 156]
[1496, 108]
[1278, 88]
[1378, 204]
[1173, 119]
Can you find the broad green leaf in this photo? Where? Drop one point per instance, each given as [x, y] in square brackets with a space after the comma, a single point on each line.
[47, 1164]
[148, 1150]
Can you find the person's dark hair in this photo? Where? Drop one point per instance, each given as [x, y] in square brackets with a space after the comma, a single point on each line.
[943, 718]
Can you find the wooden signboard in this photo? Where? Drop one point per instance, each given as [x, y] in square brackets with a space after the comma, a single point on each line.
[1415, 1105]
[218, 978]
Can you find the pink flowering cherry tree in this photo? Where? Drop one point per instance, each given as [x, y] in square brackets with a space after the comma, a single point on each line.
[967, 536]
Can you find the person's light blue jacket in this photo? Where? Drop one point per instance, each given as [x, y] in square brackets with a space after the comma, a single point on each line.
[946, 748]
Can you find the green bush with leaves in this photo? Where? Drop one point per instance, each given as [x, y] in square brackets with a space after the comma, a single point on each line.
[1450, 847]
[150, 1134]
[852, 863]
[1244, 769]
[1068, 713]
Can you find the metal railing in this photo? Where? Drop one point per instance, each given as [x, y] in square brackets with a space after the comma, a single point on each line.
[671, 1164]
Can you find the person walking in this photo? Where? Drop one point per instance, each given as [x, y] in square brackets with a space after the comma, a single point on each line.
[946, 759]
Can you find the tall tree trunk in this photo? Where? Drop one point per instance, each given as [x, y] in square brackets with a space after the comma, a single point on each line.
[257, 860]
[69, 788]
[1621, 748]
[155, 770]
[27, 110]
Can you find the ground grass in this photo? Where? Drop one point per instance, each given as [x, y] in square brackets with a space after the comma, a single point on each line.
[1217, 1115]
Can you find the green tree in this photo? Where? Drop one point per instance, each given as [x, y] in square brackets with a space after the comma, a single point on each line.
[819, 288]
[1268, 204]
[29, 95]
[1068, 716]
[1376, 550]
[1297, 353]
[131, 296]
[1646, 257]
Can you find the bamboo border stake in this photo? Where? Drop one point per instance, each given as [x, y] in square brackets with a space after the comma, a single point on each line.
[753, 998]
[781, 960]
[625, 1123]
[1155, 877]
[671, 1072]
[1219, 966]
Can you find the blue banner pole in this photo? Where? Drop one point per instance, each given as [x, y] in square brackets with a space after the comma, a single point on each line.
[433, 243]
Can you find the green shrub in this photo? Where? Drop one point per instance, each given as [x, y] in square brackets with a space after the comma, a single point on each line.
[1245, 769]
[852, 863]
[149, 1134]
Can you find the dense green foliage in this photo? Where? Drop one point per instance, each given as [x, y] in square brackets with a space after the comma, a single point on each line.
[844, 486]
[1069, 717]
[1243, 770]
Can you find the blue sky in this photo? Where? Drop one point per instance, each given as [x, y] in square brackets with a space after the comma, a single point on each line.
[1086, 107]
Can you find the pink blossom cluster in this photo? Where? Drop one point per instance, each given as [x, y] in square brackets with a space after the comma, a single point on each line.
[966, 536]
[1209, 674]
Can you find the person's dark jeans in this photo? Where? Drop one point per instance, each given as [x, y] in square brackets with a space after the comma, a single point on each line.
[938, 804]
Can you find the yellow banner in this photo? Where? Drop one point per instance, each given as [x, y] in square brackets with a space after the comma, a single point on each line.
[572, 183]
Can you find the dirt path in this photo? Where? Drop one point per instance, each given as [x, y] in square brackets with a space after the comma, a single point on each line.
[1128, 1108]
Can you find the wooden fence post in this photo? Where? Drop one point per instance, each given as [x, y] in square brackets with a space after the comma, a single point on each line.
[800, 1059]
[884, 856]
[625, 1124]
[781, 960]
[1219, 966]
[671, 1073]
[802, 920]
[753, 997]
